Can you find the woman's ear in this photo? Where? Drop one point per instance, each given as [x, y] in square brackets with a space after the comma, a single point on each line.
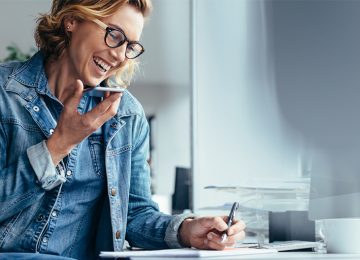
[70, 24]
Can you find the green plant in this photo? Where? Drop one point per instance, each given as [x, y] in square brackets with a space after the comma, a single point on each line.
[16, 54]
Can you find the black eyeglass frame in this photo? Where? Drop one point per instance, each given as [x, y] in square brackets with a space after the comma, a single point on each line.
[108, 30]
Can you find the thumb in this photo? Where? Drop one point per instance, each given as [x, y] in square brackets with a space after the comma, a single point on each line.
[74, 100]
[79, 88]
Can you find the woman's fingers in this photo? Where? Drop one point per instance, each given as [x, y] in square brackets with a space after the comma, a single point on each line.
[111, 111]
[73, 101]
[238, 226]
[105, 109]
[217, 223]
[216, 227]
[215, 240]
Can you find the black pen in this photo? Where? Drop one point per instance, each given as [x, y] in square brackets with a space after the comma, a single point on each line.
[230, 219]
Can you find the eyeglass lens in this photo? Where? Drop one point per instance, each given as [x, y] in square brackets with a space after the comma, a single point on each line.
[115, 38]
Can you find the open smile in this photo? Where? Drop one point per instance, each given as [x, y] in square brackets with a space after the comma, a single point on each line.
[101, 64]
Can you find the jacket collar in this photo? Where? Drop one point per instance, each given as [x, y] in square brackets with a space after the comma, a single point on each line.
[32, 73]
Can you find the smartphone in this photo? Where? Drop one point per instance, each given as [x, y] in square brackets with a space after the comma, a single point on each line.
[99, 91]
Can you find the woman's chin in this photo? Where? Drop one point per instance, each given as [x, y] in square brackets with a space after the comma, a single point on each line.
[92, 83]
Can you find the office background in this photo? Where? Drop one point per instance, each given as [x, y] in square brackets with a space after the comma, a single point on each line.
[240, 89]
[162, 84]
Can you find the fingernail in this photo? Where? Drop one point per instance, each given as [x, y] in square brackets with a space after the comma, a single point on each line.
[210, 236]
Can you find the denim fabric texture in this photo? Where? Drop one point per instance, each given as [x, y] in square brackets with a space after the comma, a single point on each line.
[39, 201]
[32, 256]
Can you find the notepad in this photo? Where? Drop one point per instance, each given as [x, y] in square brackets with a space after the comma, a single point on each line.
[186, 252]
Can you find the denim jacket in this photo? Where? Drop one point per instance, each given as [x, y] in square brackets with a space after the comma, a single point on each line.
[27, 171]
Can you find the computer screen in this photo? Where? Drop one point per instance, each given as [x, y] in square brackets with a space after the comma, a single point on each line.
[182, 190]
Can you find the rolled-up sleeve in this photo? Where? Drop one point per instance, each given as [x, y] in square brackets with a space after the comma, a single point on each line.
[172, 231]
[47, 174]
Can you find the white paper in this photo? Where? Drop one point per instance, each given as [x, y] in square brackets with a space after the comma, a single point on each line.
[185, 252]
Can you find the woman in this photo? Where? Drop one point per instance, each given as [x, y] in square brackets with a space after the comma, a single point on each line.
[73, 173]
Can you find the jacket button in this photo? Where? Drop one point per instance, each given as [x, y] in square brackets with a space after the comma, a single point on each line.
[36, 108]
[117, 234]
[113, 192]
[40, 217]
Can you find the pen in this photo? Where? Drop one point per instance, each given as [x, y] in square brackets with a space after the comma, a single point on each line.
[230, 220]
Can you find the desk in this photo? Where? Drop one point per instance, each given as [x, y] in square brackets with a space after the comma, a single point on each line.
[280, 255]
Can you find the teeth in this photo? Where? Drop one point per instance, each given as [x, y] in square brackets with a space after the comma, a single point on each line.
[104, 66]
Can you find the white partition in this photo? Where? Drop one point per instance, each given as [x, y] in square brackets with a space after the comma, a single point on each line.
[276, 84]
[238, 132]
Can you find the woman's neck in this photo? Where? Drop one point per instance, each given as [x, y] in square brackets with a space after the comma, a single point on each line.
[61, 78]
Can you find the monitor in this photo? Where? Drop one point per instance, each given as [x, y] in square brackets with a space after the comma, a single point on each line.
[181, 198]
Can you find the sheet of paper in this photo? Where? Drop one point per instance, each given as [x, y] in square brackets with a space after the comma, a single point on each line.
[185, 252]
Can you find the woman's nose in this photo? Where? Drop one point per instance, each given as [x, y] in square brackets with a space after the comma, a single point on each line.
[119, 53]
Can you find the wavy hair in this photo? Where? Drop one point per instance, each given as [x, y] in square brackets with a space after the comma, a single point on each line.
[52, 38]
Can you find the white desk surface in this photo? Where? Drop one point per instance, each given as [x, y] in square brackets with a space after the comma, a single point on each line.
[280, 255]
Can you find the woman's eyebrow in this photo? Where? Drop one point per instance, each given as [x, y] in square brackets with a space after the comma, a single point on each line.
[115, 26]
[119, 28]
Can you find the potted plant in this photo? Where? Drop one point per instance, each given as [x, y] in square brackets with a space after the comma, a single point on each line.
[14, 53]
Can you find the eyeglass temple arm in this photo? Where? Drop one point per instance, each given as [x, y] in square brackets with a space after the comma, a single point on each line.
[100, 23]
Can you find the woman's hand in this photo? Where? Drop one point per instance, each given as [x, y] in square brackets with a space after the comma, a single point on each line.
[74, 127]
[205, 232]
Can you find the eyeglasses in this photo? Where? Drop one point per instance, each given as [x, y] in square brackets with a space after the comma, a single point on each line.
[116, 37]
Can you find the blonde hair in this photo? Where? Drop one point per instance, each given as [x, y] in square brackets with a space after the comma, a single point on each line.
[52, 38]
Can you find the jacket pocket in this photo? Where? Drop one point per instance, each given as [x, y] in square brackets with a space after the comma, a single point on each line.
[97, 152]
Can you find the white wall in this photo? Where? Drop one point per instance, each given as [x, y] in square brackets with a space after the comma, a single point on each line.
[167, 39]
[163, 87]
[163, 84]
[171, 131]
[17, 23]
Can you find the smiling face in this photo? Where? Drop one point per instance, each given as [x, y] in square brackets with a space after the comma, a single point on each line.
[88, 56]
